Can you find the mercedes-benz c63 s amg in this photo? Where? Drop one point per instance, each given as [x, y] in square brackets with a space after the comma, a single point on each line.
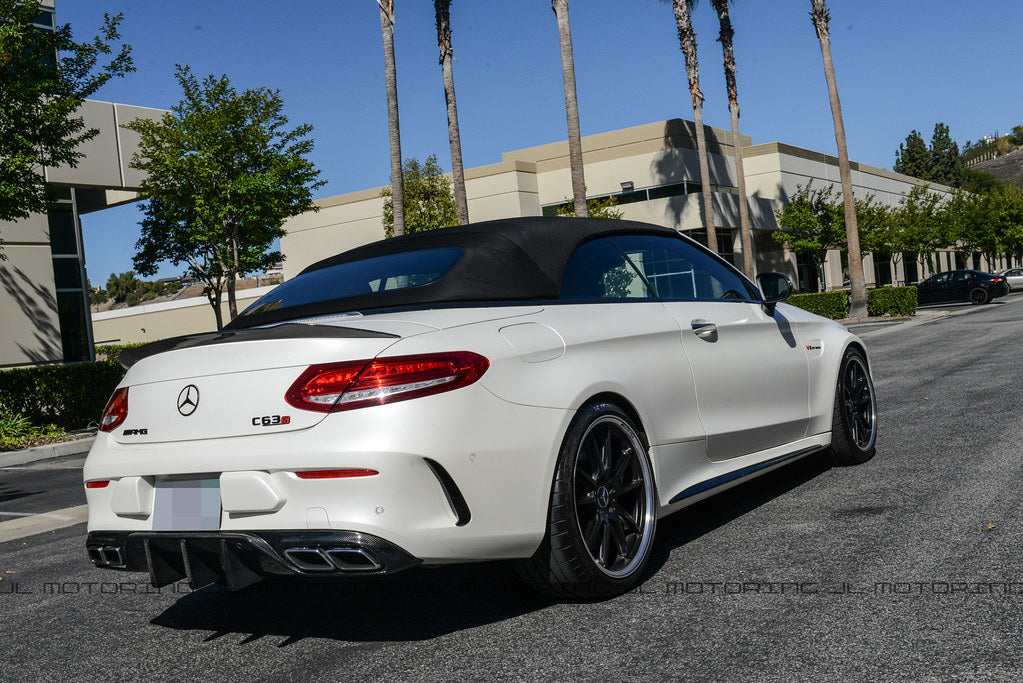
[534, 389]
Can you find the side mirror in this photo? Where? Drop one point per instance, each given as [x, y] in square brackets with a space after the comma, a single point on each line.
[775, 287]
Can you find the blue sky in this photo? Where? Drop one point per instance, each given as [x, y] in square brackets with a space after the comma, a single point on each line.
[900, 65]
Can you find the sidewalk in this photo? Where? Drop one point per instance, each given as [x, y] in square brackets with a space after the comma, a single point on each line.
[55, 450]
[881, 325]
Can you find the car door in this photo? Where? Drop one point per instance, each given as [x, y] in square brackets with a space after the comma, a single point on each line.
[933, 289]
[750, 370]
[962, 282]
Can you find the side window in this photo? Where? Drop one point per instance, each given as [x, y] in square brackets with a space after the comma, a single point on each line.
[597, 270]
[677, 270]
[962, 276]
[940, 279]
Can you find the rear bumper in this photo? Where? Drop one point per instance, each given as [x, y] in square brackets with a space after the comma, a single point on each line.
[237, 559]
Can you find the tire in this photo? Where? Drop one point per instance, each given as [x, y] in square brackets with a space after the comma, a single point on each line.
[979, 296]
[854, 422]
[602, 514]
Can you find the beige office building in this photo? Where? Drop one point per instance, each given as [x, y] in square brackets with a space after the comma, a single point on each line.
[653, 171]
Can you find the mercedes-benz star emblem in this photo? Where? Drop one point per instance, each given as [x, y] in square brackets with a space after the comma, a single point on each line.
[188, 400]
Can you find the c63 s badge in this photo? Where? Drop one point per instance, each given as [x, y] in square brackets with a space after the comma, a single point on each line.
[271, 420]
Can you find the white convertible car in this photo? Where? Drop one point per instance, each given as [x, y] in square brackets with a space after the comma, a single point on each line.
[533, 389]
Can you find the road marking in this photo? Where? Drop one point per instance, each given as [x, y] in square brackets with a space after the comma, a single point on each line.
[30, 525]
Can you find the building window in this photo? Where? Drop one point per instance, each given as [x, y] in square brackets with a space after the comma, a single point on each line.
[807, 274]
[910, 267]
[726, 248]
[882, 270]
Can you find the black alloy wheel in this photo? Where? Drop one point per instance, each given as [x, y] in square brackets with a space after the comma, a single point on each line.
[854, 423]
[978, 295]
[603, 509]
[611, 486]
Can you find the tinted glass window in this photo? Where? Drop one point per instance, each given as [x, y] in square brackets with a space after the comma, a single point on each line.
[938, 279]
[357, 278]
[962, 276]
[597, 270]
[677, 270]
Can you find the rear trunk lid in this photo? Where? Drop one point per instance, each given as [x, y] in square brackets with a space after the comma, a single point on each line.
[226, 385]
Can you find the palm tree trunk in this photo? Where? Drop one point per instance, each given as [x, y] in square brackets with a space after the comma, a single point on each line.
[858, 305]
[727, 49]
[575, 146]
[391, 79]
[442, 9]
[687, 41]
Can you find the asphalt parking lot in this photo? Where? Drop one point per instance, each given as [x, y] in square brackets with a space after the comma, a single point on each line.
[906, 567]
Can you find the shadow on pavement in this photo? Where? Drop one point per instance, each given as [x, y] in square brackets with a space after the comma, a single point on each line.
[427, 603]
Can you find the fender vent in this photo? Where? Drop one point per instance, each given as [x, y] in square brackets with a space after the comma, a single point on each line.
[451, 492]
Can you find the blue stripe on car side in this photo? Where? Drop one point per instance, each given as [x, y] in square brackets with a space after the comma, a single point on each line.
[737, 474]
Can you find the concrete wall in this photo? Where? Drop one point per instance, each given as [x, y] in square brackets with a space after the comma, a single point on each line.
[169, 319]
[30, 326]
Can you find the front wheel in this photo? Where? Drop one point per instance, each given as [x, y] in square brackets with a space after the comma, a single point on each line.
[979, 295]
[603, 510]
[854, 422]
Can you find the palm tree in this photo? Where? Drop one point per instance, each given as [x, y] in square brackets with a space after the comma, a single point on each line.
[442, 9]
[391, 79]
[858, 305]
[575, 145]
[687, 41]
[725, 36]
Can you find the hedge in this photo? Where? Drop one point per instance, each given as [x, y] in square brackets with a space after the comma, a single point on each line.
[834, 305]
[69, 396]
[112, 352]
[891, 301]
[880, 301]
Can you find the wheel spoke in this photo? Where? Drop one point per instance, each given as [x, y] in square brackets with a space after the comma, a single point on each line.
[624, 460]
[588, 498]
[605, 452]
[627, 520]
[628, 488]
[618, 535]
[605, 543]
[592, 531]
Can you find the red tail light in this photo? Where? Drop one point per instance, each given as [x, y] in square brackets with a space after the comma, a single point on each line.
[116, 411]
[97, 484]
[335, 474]
[331, 387]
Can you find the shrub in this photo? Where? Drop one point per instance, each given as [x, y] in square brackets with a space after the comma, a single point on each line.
[112, 352]
[68, 396]
[834, 305]
[17, 431]
[891, 301]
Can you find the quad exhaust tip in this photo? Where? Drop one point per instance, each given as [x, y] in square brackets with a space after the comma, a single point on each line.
[333, 559]
[107, 556]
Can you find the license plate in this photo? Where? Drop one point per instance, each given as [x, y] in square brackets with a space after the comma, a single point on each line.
[186, 504]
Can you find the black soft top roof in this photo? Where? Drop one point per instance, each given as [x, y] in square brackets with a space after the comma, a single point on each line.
[512, 259]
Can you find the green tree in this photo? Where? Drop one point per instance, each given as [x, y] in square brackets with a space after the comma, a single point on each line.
[821, 17]
[946, 166]
[913, 158]
[120, 286]
[428, 200]
[595, 208]
[1007, 213]
[918, 220]
[224, 172]
[44, 76]
[812, 224]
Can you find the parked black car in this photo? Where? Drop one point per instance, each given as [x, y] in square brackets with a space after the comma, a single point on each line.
[974, 286]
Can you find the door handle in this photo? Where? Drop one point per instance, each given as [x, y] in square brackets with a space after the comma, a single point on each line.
[704, 329]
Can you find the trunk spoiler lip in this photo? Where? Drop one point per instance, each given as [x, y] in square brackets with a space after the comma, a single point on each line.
[130, 356]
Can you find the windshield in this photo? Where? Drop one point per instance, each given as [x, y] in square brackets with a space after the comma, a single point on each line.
[358, 278]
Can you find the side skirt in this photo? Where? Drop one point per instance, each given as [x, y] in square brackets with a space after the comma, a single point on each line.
[732, 478]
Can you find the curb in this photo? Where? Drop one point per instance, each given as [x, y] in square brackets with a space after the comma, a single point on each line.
[53, 450]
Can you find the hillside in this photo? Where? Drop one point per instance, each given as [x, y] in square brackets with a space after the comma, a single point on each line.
[1006, 167]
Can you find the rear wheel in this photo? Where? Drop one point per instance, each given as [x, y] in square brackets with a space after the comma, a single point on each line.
[603, 510]
[979, 295]
[854, 422]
